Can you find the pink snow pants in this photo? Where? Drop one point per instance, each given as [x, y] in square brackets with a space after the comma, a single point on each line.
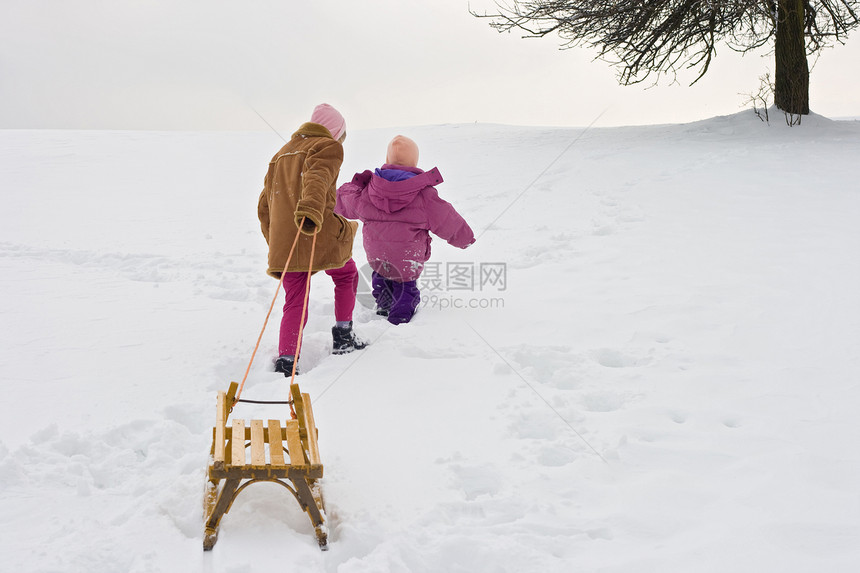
[345, 286]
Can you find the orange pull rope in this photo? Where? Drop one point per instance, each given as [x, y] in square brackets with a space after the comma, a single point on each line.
[302, 321]
[304, 308]
[271, 307]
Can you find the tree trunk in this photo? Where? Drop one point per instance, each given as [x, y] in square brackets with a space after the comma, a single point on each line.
[791, 84]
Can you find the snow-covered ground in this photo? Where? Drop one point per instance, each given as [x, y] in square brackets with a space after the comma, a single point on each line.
[667, 378]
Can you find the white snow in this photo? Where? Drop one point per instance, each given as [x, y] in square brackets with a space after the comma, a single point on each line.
[668, 382]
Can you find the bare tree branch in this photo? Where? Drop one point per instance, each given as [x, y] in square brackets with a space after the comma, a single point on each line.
[645, 37]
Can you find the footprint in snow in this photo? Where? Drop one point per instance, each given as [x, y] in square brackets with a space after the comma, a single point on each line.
[678, 417]
[476, 481]
[603, 401]
[556, 456]
[611, 358]
[601, 533]
[603, 231]
[432, 353]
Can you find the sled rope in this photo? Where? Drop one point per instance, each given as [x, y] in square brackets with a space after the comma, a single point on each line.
[269, 314]
[304, 309]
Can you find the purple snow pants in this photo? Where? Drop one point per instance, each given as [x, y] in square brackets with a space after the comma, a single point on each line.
[399, 299]
[345, 286]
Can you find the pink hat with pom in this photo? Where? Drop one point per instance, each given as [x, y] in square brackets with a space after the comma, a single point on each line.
[329, 118]
[402, 151]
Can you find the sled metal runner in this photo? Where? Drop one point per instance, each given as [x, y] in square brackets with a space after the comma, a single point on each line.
[284, 453]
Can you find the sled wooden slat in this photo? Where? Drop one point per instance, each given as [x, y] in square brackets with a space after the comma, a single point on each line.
[299, 406]
[233, 465]
[258, 445]
[219, 442]
[294, 445]
[238, 443]
[313, 448]
[276, 445]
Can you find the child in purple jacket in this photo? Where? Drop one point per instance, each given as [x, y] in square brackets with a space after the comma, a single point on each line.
[398, 205]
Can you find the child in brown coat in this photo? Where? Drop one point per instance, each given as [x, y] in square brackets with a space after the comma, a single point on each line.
[298, 197]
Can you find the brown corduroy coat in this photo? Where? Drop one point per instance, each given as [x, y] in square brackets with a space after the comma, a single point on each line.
[301, 182]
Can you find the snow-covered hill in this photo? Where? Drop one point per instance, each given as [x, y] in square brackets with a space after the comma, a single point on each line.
[648, 362]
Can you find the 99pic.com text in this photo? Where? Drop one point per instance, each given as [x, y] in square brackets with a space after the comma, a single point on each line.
[441, 301]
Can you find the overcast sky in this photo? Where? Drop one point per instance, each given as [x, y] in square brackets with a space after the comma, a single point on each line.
[209, 64]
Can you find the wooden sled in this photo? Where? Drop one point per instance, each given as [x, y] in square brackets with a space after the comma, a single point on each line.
[257, 454]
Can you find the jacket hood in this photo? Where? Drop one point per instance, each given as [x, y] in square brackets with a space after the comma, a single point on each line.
[312, 130]
[392, 196]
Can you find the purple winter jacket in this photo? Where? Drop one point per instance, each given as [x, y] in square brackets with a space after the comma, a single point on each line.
[397, 215]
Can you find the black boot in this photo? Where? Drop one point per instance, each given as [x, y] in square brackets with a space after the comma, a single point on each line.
[285, 364]
[345, 340]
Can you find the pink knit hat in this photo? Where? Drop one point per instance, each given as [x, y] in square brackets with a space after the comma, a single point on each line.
[329, 118]
[402, 151]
